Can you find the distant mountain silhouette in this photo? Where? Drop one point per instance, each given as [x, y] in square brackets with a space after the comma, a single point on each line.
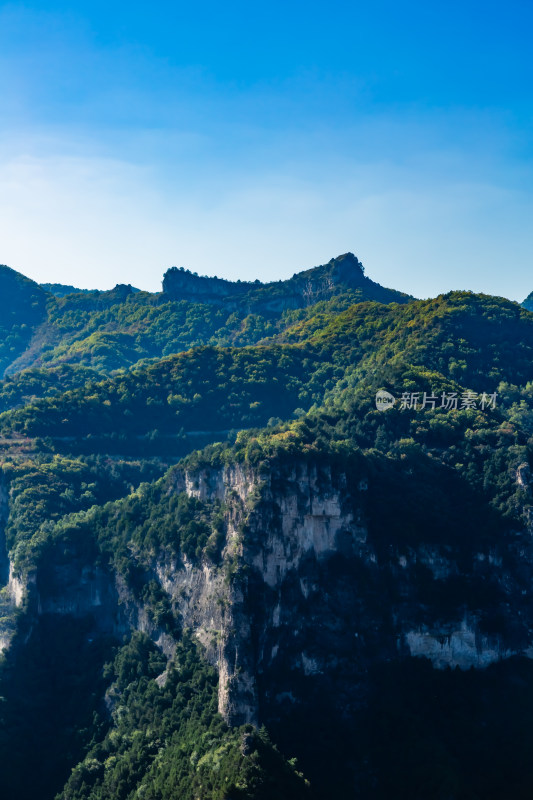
[344, 274]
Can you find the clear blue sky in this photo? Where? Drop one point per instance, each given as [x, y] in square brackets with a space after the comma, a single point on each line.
[257, 139]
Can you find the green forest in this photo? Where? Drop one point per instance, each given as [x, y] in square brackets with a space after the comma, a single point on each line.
[119, 408]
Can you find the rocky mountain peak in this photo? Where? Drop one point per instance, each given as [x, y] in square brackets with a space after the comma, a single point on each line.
[341, 274]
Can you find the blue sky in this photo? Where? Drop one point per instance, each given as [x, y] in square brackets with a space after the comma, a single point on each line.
[254, 140]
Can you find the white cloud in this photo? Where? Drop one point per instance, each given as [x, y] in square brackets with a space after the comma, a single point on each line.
[94, 222]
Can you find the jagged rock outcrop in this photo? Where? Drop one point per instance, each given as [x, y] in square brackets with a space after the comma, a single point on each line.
[342, 274]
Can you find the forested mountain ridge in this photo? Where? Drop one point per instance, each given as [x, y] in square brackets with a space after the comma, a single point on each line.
[62, 289]
[22, 309]
[279, 613]
[340, 275]
[476, 341]
[108, 330]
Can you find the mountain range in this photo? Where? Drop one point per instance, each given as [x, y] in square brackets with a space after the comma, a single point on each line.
[229, 573]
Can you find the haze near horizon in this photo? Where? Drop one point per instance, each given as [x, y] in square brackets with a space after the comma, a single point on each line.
[257, 142]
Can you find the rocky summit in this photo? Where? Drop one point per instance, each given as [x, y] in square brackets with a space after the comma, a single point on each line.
[344, 274]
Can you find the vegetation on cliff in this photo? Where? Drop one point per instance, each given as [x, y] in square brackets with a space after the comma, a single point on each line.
[108, 389]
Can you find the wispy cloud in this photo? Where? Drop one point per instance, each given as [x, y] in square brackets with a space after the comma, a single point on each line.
[115, 164]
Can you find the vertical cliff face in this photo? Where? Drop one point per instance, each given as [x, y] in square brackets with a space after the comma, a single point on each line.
[212, 599]
[11, 589]
[254, 610]
[4, 514]
[307, 591]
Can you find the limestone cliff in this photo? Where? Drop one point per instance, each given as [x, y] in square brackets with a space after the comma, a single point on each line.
[305, 593]
[313, 593]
